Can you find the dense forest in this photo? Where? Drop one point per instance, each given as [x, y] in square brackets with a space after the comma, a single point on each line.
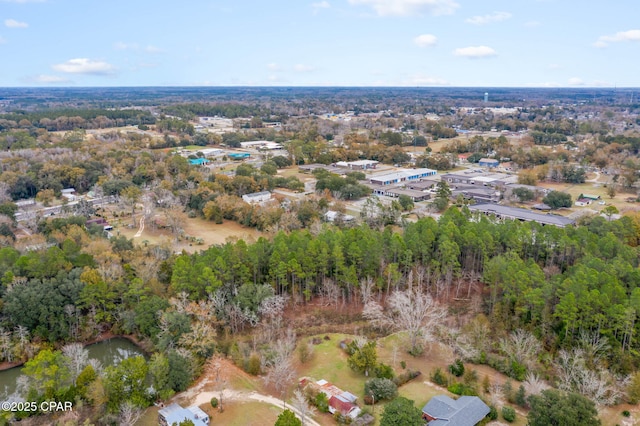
[562, 287]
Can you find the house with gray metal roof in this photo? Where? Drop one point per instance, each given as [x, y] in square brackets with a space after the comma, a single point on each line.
[464, 411]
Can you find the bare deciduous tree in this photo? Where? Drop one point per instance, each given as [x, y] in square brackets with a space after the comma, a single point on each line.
[300, 403]
[78, 358]
[533, 384]
[129, 414]
[411, 311]
[521, 346]
[596, 384]
[280, 371]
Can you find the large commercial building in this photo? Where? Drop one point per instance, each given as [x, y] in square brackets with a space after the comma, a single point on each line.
[401, 176]
[524, 215]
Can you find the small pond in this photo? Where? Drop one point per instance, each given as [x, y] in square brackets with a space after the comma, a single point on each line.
[108, 352]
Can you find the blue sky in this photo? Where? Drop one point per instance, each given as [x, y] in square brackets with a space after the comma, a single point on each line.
[537, 43]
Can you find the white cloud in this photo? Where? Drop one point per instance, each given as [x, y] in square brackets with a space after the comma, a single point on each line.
[320, 5]
[409, 7]
[423, 80]
[84, 66]
[24, 1]
[135, 46]
[3, 40]
[488, 19]
[274, 67]
[532, 24]
[575, 81]
[12, 23]
[631, 35]
[475, 52]
[425, 40]
[48, 79]
[303, 68]
[554, 66]
[125, 46]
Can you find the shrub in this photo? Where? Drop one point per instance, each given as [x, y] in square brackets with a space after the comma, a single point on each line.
[486, 384]
[439, 378]
[322, 402]
[507, 390]
[254, 364]
[470, 377]
[214, 402]
[493, 413]
[405, 377]
[457, 368]
[626, 413]
[381, 389]
[403, 364]
[462, 389]
[305, 352]
[384, 371]
[509, 414]
[521, 397]
[518, 371]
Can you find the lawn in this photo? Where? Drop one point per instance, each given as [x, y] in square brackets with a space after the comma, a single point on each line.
[236, 413]
[329, 362]
[241, 413]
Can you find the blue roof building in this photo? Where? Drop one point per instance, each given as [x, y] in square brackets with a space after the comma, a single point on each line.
[238, 155]
[198, 161]
[488, 162]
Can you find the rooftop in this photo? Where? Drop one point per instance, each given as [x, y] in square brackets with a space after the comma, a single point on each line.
[465, 411]
[522, 214]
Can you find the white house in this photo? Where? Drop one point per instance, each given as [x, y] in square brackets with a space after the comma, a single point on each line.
[257, 197]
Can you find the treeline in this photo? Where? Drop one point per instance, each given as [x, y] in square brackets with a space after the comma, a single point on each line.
[564, 279]
[70, 119]
[227, 110]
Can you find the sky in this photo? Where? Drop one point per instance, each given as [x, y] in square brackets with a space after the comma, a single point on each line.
[461, 43]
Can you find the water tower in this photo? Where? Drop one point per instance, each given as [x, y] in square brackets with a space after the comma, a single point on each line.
[486, 97]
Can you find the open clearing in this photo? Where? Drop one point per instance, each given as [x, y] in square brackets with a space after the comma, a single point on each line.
[211, 234]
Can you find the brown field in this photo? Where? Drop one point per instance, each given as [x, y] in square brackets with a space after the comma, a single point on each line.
[210, 233]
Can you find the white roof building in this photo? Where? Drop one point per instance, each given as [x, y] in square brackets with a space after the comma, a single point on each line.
[257, 197]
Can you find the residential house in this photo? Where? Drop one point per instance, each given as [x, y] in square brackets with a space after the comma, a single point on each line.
[442, 410]
[175, 414]
[333, 216]
[257, 197]
[339, 400]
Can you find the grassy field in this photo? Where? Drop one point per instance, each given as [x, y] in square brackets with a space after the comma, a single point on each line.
[210, 233]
